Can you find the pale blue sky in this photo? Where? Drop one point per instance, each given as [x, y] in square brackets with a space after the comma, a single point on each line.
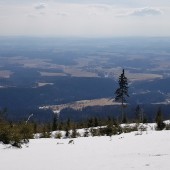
[85, 18]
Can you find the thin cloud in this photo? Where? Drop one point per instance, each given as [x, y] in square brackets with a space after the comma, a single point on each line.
[40, 6]
[63, 14]
[100, 6]
[99, 9]
[147, 12]
[31, 16]
[142, 12]
[42, 13]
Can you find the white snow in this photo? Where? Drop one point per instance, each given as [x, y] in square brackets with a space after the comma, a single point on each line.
[149, 151]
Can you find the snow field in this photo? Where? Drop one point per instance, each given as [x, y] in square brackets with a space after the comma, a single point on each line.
[151, 151]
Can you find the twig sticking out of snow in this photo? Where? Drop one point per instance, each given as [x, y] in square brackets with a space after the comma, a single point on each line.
[28, 118]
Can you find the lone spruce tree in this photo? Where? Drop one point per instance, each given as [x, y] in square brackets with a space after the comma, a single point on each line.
[121, 93]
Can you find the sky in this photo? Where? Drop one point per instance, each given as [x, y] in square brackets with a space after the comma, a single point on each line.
[85, 18]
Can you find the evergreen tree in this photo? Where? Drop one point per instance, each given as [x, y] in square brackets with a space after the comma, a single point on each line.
[67, 128]
[35, 127]
[74, 132]
[139, 114]
[159, 119]
[109, 128]
[45, 131]
[122, 92]
[2, 114]
[61, 126]
[48, 127]
[67, 134]
[90, 123]
[124, 118]
[96, 123]
[68, 123]
[54, 125]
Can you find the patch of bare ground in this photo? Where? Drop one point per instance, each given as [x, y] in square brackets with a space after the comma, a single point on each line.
[75, 72]
[142, 76]
[5, 73]
[48, 74]
[79, 105]
[44, 84]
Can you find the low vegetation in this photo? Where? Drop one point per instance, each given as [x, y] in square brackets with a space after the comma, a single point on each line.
[18, 133]
[15, 134]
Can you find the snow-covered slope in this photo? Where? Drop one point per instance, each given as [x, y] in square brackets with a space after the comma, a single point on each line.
[150, 151]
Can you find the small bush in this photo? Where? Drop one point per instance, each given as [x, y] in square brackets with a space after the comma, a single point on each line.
[45, 135]
[74, 133]
[5, 134]
[142, 128]
[67, 134]
[167, 127]
[78, 134]
[26, 131]
[95, 132]
[117, 130]
[86, 133]
[58, 135]
[106, 131]
[128, 129]
[15, 135]
[160, 126]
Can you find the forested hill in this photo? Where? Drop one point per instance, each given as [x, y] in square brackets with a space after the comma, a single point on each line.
[20, 101]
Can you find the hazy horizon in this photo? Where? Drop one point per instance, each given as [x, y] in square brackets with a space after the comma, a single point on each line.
[80, 18]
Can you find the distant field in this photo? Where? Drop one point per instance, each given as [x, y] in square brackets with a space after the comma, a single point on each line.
[79, 105]
[44, 84]
[5, 73]
[49, 74]
[89, 66]
[75, 72]
[142, 76]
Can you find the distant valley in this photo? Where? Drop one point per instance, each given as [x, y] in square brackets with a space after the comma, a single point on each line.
[35, 72]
